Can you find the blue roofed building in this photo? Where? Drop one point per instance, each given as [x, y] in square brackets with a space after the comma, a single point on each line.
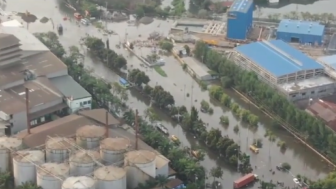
[239, 19]
[281, 65]
[297, 31]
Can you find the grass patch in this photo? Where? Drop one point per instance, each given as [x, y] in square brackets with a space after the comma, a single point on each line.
[98, 25]
[159, 70]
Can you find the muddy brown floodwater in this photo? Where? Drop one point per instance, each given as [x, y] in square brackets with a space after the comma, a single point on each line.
[179, 83]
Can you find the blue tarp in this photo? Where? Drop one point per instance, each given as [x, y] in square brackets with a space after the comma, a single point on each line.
[123, 81]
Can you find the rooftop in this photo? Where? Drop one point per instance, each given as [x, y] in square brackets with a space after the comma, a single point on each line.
[307, 83]
[277, 57]
[301, 27]
[241, 6]
[69, 87]
[196, 66]
[329, 60]
[7, 40]
[44, 63]
[100, 116]
[40, 91]
[62, 127]
[27, 40]
[11, 74]
[325, 111]
[161, 161]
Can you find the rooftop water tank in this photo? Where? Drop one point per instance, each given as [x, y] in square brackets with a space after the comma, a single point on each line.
[83, 162]
[79, 183]
[51, 175]
[89, 136]
[110, 177]
[58, 149]
[6, 145]
[112, 150]
[143, 159]
[24, 166]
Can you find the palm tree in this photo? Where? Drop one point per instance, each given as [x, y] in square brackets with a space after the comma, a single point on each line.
[28, 185]
[162, 181]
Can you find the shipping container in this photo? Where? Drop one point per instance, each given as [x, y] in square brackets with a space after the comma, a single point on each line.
[245, 180]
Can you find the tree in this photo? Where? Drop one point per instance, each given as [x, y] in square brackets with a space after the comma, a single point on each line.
[216, 172]
[5, 180]
[187, 48]
[28, 185]
[139, 12]
[161, 180]
[138, 77]
[166, 45]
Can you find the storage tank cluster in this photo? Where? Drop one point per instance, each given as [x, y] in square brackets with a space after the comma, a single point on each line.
[112, 150]
[110, 177]
[6, 145]
[81, 182]
[89, 136]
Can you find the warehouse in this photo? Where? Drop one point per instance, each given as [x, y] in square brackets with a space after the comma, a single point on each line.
[329, 63]
[282, 66]
[239, 19]
[297, 31]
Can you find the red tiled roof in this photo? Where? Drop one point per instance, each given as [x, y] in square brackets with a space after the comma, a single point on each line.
[324, 110]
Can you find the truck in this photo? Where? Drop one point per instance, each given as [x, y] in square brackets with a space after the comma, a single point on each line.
[245, 180]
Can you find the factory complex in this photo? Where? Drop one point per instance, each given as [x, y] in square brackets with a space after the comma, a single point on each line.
[293, 73]
[73, 152]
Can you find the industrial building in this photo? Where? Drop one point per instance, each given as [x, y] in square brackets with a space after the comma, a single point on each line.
[293, 73]
[197, 69]
[239, 19]
[72, 152]
[329, 63]
[304, 32]
[332, 44]
[28, 65]
[325, 111]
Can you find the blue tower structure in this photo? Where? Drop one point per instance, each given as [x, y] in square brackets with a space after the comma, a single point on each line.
[239, 19]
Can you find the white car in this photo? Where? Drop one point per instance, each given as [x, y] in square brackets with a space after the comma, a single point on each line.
[296, 181]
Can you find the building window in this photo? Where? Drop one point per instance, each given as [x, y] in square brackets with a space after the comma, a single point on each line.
[303, 94]
[34, 122]
[293, 96]
[81, 103]
[312, 92]
[89, 102]
[85, 102]
[42, 119]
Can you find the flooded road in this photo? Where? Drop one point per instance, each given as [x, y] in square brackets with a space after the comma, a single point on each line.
[179, 83]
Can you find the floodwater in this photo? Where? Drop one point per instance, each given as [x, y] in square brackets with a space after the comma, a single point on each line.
[179, 83]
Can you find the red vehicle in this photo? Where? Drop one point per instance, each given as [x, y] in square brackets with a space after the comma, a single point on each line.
[245, 180]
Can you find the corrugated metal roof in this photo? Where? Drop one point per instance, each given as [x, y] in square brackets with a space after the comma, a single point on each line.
[325, 111]
[69, 87]
[241, 6]
[277, 57]
[301, 27]
[330, 60]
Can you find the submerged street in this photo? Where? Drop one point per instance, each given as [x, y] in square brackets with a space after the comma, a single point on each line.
[179, 84]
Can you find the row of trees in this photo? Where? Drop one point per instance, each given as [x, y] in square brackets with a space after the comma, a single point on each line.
[107, 56]
[246, 116]
[308, 127]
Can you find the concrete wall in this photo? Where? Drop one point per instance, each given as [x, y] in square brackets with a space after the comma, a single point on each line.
[135, 176]
[315, 92]
[163, 171]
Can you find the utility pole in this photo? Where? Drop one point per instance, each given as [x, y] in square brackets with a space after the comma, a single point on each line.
[191, 95]
[106, 125]
[27, 110]
[136, 124]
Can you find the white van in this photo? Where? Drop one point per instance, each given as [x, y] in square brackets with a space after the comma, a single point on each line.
[85, 22]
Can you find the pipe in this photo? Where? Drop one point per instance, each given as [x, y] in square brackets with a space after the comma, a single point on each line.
[106, 125]
[27, 110]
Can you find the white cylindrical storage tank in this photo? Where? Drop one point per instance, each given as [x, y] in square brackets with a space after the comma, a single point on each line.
[89, 136]
[79, 183]
[143, 159]
[51, 175]
[24, 166]
[112, 150]
[83, 162]
[58, 149]
[6, 145]
[110, 177]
